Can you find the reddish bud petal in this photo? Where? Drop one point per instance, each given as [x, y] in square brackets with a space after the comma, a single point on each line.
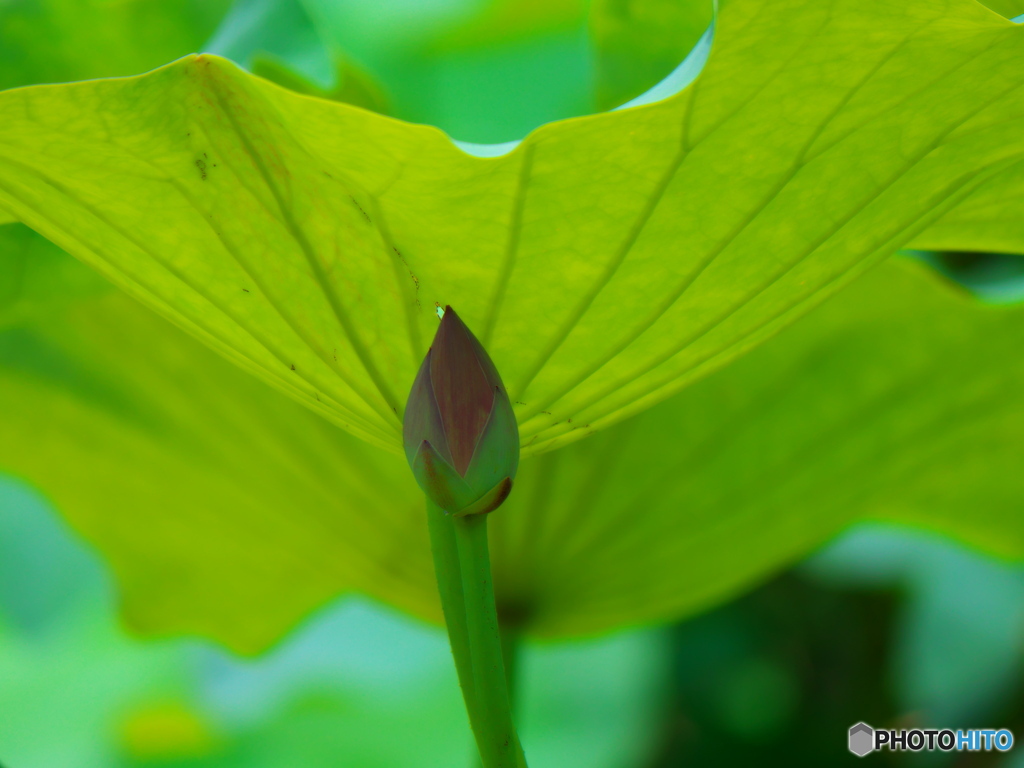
[461, 388]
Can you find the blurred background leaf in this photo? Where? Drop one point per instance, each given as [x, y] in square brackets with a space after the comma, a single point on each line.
[37, 278]
[281, 30]
[350, 85]
[53, 41]
[481, 71]
[639, 42]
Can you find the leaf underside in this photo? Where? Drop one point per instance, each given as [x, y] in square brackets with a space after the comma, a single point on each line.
[898, 400]
[606, 263]
[223, 508]
[228, 511]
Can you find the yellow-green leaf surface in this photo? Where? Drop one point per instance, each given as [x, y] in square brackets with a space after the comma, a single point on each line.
[987, 220]
[229, 511]
[1008, 8]
[898, 400]
[607, 262]
[223, 508]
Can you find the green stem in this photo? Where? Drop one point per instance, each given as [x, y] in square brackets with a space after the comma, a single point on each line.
[462, 567]
[510, 654]
[495, 733]
[449, 585]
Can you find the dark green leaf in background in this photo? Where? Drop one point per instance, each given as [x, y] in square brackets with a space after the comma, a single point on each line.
[37, 278]
[351, 85]
[53, 41]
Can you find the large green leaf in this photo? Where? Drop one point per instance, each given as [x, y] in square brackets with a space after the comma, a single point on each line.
[229, 511]
[987, 220]
[899, 400]
[1008, 8]
[223, 508]
[607, 262]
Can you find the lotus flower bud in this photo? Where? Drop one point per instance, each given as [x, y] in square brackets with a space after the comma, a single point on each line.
[460, 434]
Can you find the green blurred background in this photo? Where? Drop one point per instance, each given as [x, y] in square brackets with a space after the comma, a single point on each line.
[884, 625]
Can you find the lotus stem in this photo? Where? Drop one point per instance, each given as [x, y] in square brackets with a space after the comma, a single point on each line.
[449, 585]
[510, 643]
[462, 565]
[495, 732]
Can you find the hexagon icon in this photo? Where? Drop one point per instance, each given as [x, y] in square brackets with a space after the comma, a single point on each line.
[862, 739]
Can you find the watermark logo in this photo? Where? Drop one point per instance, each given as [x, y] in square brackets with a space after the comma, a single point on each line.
[863, 740]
